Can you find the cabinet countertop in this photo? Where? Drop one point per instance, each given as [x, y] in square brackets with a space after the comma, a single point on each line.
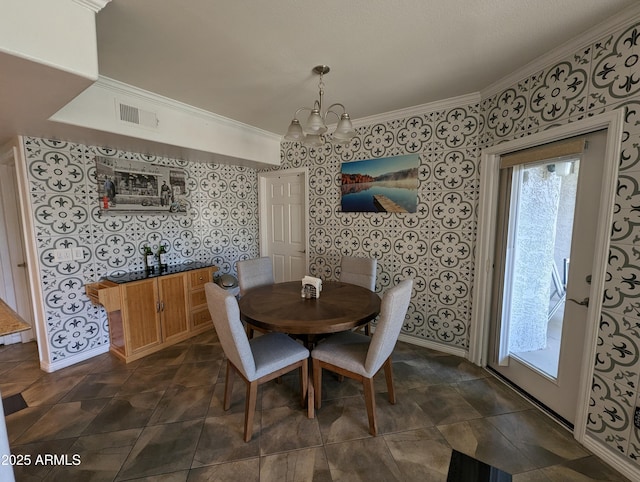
[172, 269]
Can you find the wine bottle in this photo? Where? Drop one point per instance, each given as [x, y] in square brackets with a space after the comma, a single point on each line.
[162, 258]
[149, 259]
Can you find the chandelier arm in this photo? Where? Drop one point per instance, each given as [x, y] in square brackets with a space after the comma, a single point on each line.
[329, 110]
[295, 116]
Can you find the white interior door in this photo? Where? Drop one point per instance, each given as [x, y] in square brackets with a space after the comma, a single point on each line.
[538, 331]
[283, 223]
[14, 285]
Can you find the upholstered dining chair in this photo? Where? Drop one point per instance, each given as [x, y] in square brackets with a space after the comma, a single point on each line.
[251, 273]
[361, 272]
[361, 357]
[254, 272]
[257, 360]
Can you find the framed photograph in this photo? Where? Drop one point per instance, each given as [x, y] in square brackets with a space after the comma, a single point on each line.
[387, 184]
[135, 187]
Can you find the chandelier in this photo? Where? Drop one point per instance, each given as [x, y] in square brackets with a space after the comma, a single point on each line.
[312, 134]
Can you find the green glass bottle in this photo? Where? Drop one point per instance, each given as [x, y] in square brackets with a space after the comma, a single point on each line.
[149, 259]
[162, 258]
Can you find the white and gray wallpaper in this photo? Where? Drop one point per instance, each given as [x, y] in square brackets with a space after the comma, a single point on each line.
[435, 245]
[220, 227]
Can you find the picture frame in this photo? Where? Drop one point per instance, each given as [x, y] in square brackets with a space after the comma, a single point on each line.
[136, 187]
[388, 184]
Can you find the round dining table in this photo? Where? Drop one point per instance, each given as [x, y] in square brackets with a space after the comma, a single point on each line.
[280, 307]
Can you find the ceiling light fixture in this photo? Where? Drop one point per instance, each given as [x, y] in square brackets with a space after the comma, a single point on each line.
[315, 128]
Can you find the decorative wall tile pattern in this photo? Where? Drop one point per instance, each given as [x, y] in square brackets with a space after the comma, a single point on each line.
[221, 226]
[448, 177]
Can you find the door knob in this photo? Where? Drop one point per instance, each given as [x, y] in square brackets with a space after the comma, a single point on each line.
[584, 302]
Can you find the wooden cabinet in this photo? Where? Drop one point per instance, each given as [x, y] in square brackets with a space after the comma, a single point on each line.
[150, 314]
[199, 316]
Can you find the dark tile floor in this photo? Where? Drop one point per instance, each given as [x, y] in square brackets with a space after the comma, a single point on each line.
[161, 419]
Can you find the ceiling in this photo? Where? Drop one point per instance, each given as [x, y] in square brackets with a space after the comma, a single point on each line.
[252, 61]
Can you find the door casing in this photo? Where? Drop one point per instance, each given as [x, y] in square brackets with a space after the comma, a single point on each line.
[485, 248]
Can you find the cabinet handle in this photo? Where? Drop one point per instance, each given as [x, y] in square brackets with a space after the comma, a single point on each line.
[162, 306]
[157, 307]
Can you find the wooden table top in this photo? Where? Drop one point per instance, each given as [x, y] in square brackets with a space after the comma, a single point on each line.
[279, 307]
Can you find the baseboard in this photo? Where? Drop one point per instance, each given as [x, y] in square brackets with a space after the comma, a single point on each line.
[66, 362]
[615, 460]
[451, 350]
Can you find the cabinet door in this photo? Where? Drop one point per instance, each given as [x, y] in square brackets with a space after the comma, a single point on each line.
[173, 302]
[141, 315]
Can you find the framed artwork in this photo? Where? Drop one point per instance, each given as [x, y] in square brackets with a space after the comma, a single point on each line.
[136, 187]
[387, 184]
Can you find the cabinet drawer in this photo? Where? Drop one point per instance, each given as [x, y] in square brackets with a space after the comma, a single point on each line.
[200, 317]
[198, 298]
[199, 277]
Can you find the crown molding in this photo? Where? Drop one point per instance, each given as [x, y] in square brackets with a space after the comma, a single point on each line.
[620, 20]
[95, 5]
[445, 104]
[121, 88]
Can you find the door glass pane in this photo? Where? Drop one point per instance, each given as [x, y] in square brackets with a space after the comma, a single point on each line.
[540, 240]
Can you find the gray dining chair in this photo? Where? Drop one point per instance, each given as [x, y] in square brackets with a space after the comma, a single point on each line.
[361, 357]
[258, 360]
[361, 272]
[252, 273]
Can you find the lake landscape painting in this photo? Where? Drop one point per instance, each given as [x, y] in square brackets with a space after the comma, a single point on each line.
[387, 184]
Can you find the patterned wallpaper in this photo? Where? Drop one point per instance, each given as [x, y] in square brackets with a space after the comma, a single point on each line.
[221, 226]
[435, 245]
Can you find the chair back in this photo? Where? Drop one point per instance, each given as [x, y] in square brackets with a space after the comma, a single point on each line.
[225, 313]
[359, 271]
[393, 309]
[254, 272]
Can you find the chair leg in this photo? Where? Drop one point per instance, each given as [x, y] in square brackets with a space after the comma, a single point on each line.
[250, 409]
[317, 382]
[370, 402]
[388, 375]
[304, 379]
[228, 386]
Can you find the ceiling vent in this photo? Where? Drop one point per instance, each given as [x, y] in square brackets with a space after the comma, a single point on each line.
[134, 115]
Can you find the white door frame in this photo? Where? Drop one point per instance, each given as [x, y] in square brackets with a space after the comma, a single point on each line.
[15, 148]
[263, 215]
[19, 297]
[487, 213]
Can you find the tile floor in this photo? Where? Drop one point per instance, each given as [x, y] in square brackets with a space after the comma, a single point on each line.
[161, 419]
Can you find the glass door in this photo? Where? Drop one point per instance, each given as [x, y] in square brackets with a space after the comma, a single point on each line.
[545, 253]
[539, 252]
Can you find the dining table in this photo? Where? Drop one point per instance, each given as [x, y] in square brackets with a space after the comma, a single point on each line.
[280, 307]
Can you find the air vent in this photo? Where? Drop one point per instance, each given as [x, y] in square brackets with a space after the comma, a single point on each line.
[134, 115]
